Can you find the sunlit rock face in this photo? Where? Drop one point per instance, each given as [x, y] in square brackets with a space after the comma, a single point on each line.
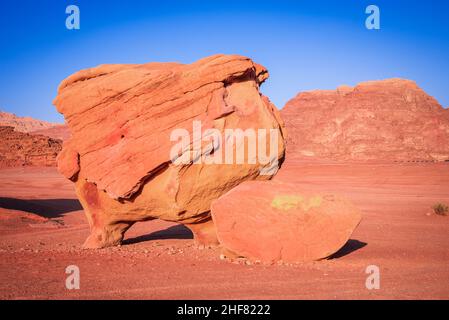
[120, 154]
[378, 120]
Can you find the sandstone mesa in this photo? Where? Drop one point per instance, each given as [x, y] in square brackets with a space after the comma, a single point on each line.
[391, 120]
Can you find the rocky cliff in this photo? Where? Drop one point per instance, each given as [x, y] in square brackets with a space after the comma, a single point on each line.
[378, 120]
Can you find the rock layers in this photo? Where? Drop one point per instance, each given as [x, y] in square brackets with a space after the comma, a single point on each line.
[276, 221]
[378, 120]
[25, 141]
[123, 119]
[23, 149]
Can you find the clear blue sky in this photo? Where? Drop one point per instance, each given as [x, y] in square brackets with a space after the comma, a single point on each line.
[309, 44]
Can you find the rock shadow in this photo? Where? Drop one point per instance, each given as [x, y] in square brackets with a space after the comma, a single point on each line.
[174, 232]
[47, 208]
[350, 246]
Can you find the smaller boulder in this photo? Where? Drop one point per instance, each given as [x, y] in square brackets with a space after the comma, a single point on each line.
[276, 221]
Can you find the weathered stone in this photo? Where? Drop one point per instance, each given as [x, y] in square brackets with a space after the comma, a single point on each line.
[19, 149]
[121, 118]
[274, 221]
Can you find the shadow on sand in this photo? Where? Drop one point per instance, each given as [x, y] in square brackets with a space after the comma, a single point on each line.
[182, 232]
[174, 232]
[56, 208]
[47, 208]
[349, 247]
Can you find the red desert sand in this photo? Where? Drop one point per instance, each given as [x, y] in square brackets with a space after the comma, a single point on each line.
[399, 234]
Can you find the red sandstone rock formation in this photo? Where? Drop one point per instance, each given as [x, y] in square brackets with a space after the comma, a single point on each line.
[23, 149]
[121, 118]
[379, 120]
[276, 221]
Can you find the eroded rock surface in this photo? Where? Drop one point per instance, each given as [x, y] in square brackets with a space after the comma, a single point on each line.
[121, 118]
[274, 221]
[19, 149]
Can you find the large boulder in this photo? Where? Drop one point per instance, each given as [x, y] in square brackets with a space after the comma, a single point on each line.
[128, 155]
[276, 221]
[392, 120]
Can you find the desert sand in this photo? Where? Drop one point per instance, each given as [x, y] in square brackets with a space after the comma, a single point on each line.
[43, 227]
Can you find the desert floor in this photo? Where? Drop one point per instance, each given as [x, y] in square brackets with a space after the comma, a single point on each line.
[399, 234]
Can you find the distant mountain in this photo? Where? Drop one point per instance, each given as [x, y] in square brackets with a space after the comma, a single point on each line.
[378, 120]
[25, 141]
[34, 126]
[23, 124]
[60, 131]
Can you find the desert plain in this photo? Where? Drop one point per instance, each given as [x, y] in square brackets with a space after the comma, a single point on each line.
[43, 226]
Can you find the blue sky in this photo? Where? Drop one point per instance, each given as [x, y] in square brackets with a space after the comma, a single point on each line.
[305, 44]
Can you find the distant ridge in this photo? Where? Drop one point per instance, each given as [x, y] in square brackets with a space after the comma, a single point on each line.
[389, 120]
[34, 126]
